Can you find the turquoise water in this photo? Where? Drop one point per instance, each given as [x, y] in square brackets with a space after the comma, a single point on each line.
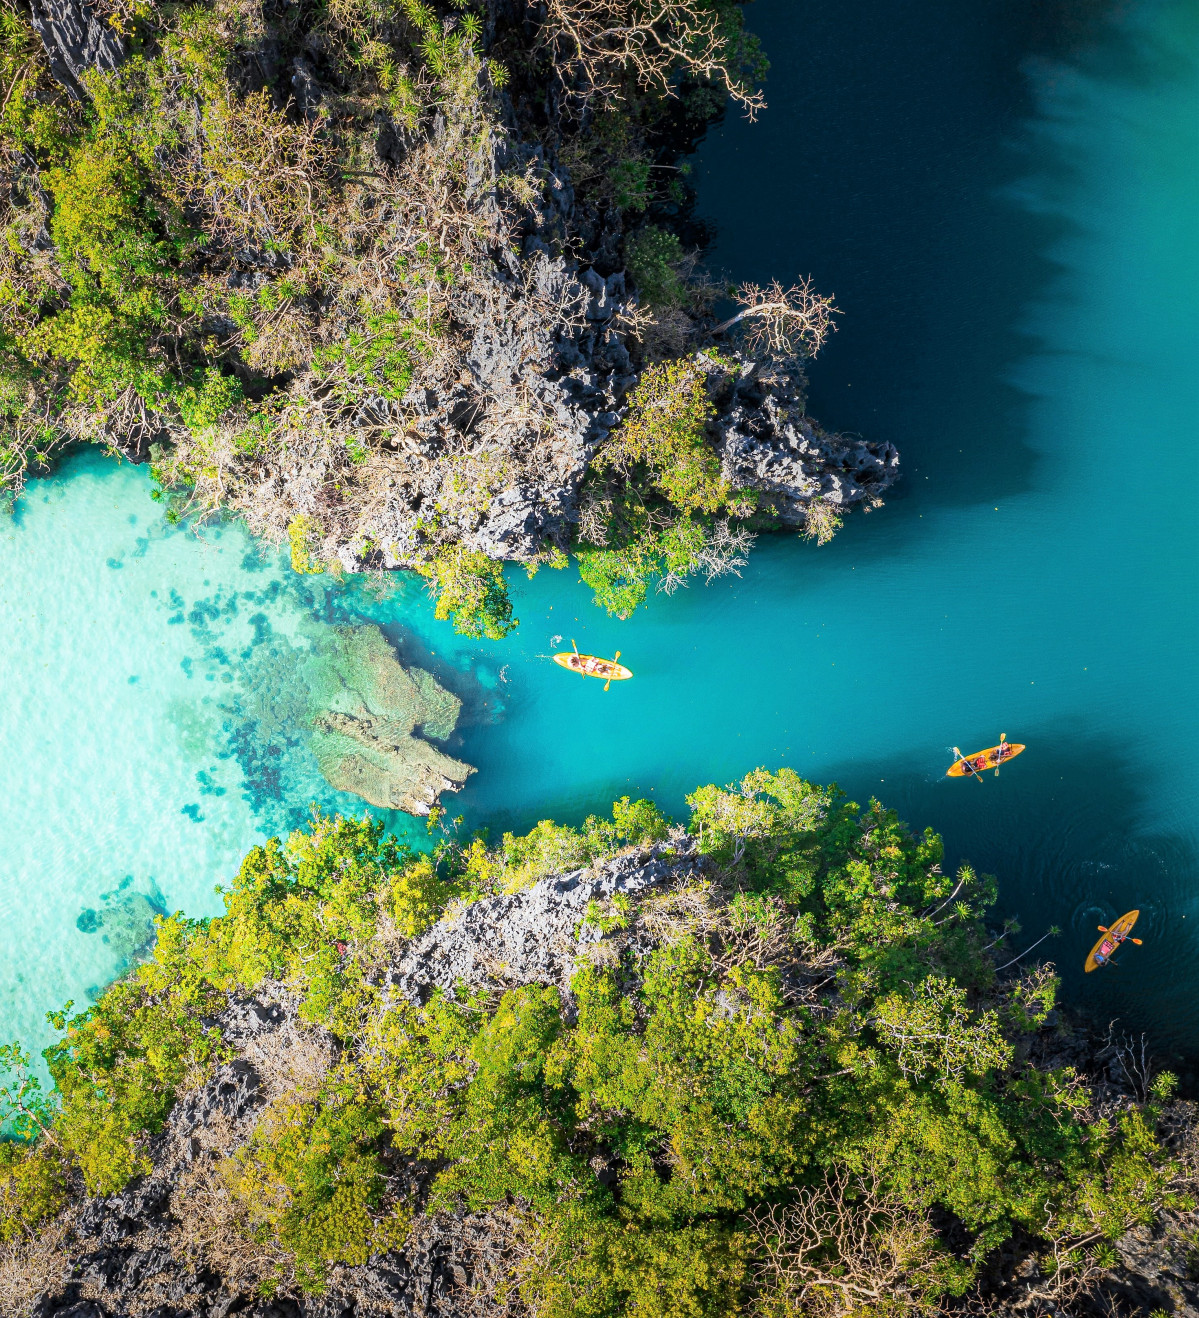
[147, 739]
[1004, 201]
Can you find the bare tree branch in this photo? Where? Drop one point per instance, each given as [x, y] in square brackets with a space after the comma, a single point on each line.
[654, 40]
[786, 322]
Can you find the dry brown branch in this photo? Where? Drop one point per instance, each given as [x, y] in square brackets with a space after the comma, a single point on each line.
[842, 1246]
[1064, 1273]
[653, 40]
[823, 522]
[784, 322]
[30, 1266]
[215, 1228]
[661, 331]
[1129, 1057]
[725, 551]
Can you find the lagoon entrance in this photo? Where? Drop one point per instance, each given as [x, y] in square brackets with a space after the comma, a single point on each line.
[1008, 217]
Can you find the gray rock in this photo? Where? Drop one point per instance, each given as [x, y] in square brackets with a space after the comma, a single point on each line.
[306, 89]
[518, 521]
[535, 936]
[76, 40]
[234, 1091]
[111, 1219]
[766, 443]
[246, 1019]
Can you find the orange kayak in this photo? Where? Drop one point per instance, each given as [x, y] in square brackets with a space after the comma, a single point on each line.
[981, 761]
[1113, 936]
[608, 670]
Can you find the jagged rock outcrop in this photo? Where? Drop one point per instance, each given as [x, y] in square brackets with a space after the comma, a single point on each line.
[535, 936]
[170, 1245]
[767, 443]
[489, 446]
[76, 39]
[372, 718]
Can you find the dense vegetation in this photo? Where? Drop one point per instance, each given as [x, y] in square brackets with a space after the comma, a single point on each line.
[797, 1083]
[256, 248]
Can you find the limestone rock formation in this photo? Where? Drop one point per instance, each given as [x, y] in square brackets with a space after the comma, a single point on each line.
[766, 443]
[536, 935]
[371, 718]
[170, 1245]
[76, 39]
[492, 445]
[157, 1247]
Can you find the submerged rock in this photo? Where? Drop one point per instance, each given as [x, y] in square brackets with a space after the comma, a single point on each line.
[125, 919]
[371, 717]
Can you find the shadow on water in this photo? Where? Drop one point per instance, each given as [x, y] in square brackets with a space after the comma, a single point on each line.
[878, 168]
[1062, 829]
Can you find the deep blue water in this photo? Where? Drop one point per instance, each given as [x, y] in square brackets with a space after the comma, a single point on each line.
[1003, 199]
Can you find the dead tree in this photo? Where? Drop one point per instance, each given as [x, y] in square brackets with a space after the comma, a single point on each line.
[845, 1245]
[784, 322]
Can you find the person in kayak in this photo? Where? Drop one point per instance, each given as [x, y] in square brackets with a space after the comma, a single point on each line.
[1105, 949]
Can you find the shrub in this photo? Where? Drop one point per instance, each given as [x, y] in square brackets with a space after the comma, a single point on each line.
[304, 533]
[665, 432]
[210, 401]
[619, 577]
[32, 1188]
[470, 588]
[117, 1070]
[312, 1177]
[823, 522]
[653, 257]
[417, 897]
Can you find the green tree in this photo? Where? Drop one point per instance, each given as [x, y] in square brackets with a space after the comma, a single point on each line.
[469, 587]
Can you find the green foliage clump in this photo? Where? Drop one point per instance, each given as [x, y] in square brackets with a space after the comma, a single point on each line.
[665, 433]
[119, 1066]
[311, 1178]
[653, 257]
[377, 358]
[32, 1188]
[470, 588]
[303, 534]
[550, 848]
[418, 896]
[209, 402]
[620, 575]
[305, 913]
[631, 186]
[655, 489]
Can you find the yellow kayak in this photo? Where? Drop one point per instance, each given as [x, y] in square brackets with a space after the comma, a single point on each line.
[607, 670]
[971, 766]
[1113, 936]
